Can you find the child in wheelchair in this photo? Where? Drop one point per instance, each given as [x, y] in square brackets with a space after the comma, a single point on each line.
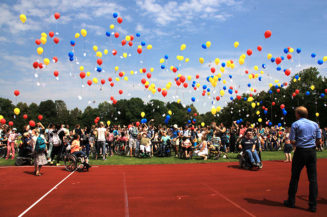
[249, 157]
[76, 150]
[165, 145]
[145, 146]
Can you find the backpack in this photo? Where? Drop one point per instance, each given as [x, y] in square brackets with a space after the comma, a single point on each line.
[40, 145]
[134, 132]
[55, 139]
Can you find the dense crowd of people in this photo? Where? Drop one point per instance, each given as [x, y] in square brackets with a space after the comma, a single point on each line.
[136, 139]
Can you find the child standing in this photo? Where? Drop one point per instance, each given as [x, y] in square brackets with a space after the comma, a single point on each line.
[11, 143]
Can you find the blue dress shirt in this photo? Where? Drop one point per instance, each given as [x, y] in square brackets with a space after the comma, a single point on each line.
[305, 132]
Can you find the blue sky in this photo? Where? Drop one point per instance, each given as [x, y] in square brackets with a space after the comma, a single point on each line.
[165, 25]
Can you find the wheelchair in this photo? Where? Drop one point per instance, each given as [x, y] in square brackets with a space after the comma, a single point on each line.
[164, 151]
[245, 163]
[73, 162]
[216, 151]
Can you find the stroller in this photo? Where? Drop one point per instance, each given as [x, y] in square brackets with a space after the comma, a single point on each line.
[25, 155]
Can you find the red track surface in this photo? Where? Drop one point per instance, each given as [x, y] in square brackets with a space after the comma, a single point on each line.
[219, 189]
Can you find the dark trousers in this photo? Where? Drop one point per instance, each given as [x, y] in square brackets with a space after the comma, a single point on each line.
[304, 157]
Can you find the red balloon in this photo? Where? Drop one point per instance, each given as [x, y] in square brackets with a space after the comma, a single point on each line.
[116, 34]
[282, 106]
[263, 107]
[164, 93]
[255, 90]
[114, 52]
[96, 121]
[121, 74]
[132, 37]
[25, 116]
[185, 85]
[56, 40]
[238, 97]
[139, 50]
[178, 82]
[16, 92]
[114, 102]
[325, 90]
[289, 56]
[137, 124]
[99, 61]
[293, 94]
[3, 121]
[278, 60]
[297, 91]
[56, 73]
[203, 93]
[182, 79]
[97, 118]
[40, 65]
[287, 72]
[213, 70]
[217, 98]
[143, 81]
[236, 91]
[130, 43]
[259, 48]
[112, 84]
[40, 117]
[38, 41]
[35, 65]
[249, 52]
[144, 70]
[195, 114]
[55, 59]
[278, 90]
[51, 34]
[89, 82]
[120, 92]
[273, 103]
[123, 42]
[159, 89]
[119, 20]
[146, 86]
[82, 75]
[110, 79]
[56, 15]
[31, 123]
[10, 123]
[197, 76]
[267, 34]
[246, 72]
[112, 98]
[174, 69]
[103, 81]
[195, 88]
[148, 75]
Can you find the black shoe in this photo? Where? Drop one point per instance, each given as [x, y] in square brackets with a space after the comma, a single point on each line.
[288, 204]
[312, 209]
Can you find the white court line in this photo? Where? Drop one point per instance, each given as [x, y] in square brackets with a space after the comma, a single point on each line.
[227, 199]
[125, 197]
[23, 213]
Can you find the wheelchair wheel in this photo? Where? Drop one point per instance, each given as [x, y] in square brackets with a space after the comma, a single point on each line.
[70, 162]
[3, 152]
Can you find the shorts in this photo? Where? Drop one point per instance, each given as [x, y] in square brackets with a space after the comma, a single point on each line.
[288, 148]
[132, 143]
[147, 148]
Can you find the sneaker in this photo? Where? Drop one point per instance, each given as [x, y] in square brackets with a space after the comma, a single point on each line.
[260, 165]
[288, 204]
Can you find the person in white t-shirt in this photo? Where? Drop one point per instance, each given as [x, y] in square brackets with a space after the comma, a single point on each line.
[101, 141]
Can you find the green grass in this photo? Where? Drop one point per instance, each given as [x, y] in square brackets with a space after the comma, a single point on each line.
[120, 160]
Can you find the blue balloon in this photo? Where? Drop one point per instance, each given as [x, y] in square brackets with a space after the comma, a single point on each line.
[245, 99]
[143, 43]
[223, 64]
[224, 87]
[282, 57]
[270, 123]
[297, 77]
[285, 50]
[115, 15]
[71, 54]
[204, 87]
[189, 121]
[138, 35]
[249, 85]
[320, 62]
[298, 50]
[168, 117]
[282, 85]
[189, 110]
[194, 120]
[279, 124]
[279, 68]
[108, 34]
[208, 89]
[219, 79]
[193, 99]
[230, 76]
[265, 112]
[260, 78]
[284, 112]
[71, 59]
[270, 92]
[313, 55]
[166, 57]
[72, 42]
[204, 46]
[231, 98]
[230, 91]
[237, 121]
[276, 86]
[163, 66]
[307, 93]
[99, 69]
[264, 66]
[322, 95]
[272, 59]
[241, 120]
[208, 78]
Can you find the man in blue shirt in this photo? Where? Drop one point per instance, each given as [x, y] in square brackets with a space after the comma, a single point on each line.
[305, 136]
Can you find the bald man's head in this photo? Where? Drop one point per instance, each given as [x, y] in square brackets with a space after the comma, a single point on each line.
[301, 112]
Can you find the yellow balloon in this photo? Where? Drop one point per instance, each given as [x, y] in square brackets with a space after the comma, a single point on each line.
[178, 101]
[213, 111]
[22, 18]
[95, 80]
[201, 60]
[219, 75]
[324, 58]
[317, 114]
[208, 93]
[149, 47]
[187, 60]
[183, 46]
[117, 79]
[16, 111]
[125, 55]
[198, 85]
[291, 50]
[203, 124]
[43, 34]
[269, 56]
[95, 48]
[116, 68]
[259, 120]
[83, 32]
[126, 78]
[151, 69]
[189, 77]
[112, 26]
[170, 112]
[128, 38]
[217, 60]
[1, 117]
[250, 99]
[256, 68]
[162, 60]
[46, 61]
[77, 35]
[208, 44]
[132, 72]
[43, 40]
[253, 105]
[81, 68]
[312, 87]
[222, 69]
[39, 50]
[105, 51]
[142, 114]
[258, 112]
[99, 54]
[236, 43]
[222, 92]
[243, 56]
[108, 123]
[88, 74]
[218, 109]
[224, 81]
